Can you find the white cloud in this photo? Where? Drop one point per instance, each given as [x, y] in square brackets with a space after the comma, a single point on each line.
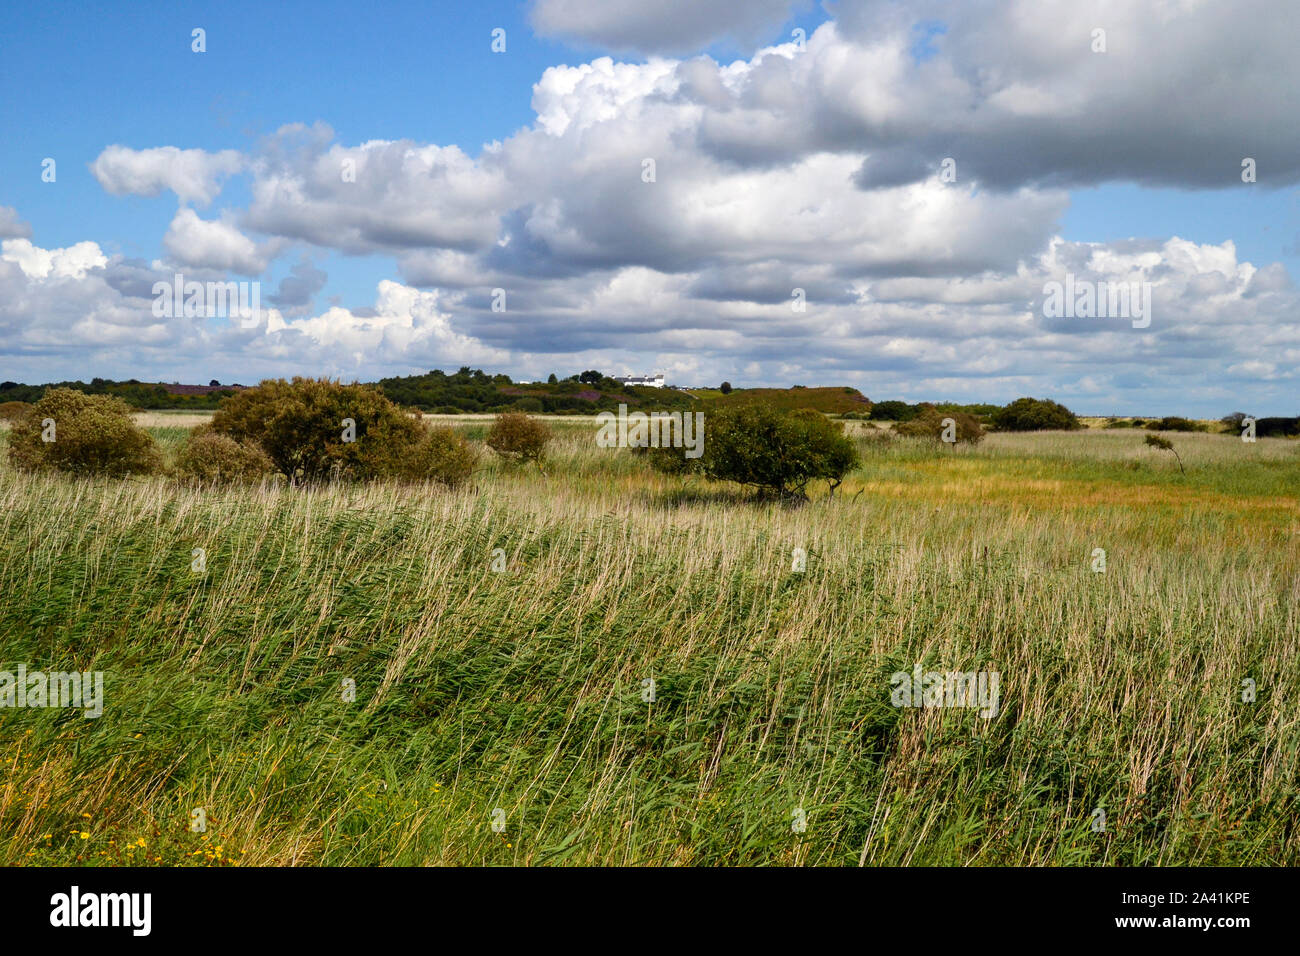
[214, 244]
[194, 175]
[37, 263]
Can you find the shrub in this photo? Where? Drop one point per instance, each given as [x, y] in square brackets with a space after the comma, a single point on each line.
[93, 435]
[211, 458]
[1277, 427]
[442, 455]
[1174, 423]
[299, 425]
[930, 424]
[518, 438]
[893, 411]
[776, 452]
[1035, 414]
[14, 411]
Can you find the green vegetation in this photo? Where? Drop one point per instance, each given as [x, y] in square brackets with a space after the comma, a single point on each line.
[766, 449]
[476, 391]
[929, 423]
[1035, 414]
[81, 434]
[828, 401]
[134, 393]
[211, 458]
[526, 689]
[1173, 423]
[518, 438]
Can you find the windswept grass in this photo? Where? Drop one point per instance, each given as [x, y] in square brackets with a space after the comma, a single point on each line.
[525, 689]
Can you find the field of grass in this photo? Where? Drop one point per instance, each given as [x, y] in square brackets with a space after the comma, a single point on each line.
[521, 695]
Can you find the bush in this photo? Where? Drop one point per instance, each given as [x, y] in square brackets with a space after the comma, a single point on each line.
[442, 455]
[93, 435]
[1035, 414]
[1277, 427]
[14, 411]
[776, 452]
[299, 425]
[930, 424]
[516, 437]
[211, 458]
[1174, 423]
[893, 411]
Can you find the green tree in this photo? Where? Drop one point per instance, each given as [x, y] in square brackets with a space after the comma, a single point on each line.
[777, 453]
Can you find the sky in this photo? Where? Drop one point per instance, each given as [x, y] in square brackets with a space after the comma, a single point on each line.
[767, 192]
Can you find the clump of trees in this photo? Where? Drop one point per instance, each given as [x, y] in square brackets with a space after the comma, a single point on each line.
[1035, 414]
[80, 434]
[518, 438]
[777, 453]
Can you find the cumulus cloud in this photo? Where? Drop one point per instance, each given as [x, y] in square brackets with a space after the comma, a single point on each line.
[377, 196]
[297, 290]
[11, 227]
[77, 306]
[194, 175]
[669, 209]
[37, 263]
[669, 26]
[215, 244]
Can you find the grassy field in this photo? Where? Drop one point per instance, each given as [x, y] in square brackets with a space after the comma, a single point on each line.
[520, 695]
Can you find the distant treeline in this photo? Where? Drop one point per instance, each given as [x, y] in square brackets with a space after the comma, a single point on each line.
[476, 391]
[895, 411]
[135, 393]
[464, 391]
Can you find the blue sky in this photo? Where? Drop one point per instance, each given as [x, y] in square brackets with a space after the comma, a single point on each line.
[780, 165]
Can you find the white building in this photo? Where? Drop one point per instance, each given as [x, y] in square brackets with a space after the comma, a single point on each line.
[651, 381]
